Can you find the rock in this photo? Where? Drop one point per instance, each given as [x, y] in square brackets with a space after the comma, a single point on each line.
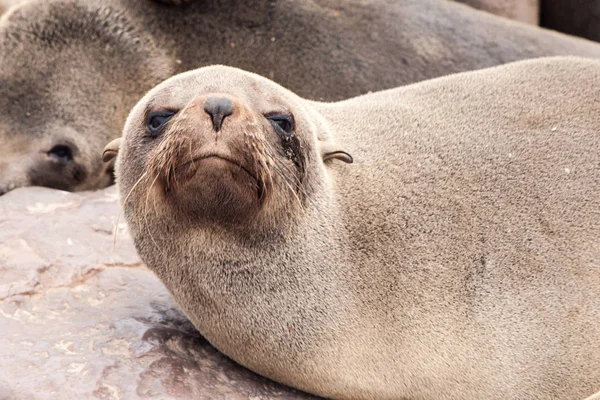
[81, 316]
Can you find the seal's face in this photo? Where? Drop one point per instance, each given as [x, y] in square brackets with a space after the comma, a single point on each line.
[48, 137]
[65, 91]
[217, 147]
[58, 158]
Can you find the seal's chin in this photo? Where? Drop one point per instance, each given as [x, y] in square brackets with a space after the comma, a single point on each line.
[215, 187]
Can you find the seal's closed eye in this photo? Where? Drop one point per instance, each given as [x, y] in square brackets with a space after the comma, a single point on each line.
[61, 153]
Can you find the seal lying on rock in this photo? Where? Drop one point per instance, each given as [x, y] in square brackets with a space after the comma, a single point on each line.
[458, 257]
[70, 71]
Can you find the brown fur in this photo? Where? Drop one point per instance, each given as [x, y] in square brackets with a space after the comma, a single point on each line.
[70, 71]
[526, 11]
[457, 258]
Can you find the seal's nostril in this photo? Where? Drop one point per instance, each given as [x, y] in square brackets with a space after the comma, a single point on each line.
[218, 108]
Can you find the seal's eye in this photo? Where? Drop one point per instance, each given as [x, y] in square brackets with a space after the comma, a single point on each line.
[157, 120]
[282, 123]
[61, 153]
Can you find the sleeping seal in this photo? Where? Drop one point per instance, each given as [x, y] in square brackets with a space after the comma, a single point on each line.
[457, 257]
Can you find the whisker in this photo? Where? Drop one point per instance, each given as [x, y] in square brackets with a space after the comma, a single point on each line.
[145, 213]
[116, 229]
[284, 178]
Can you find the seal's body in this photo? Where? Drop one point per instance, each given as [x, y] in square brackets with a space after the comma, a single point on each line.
[527, 11]
[71, 70]
[458, 257]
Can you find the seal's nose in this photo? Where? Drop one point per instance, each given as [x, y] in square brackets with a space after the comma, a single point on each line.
[218, 108]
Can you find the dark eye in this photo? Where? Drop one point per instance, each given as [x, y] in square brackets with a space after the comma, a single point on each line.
[61, 153]
[282, 123]
[157, 120]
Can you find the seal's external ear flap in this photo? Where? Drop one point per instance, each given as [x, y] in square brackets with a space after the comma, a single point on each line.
[330, 151]
[111, 150]
[339, 155]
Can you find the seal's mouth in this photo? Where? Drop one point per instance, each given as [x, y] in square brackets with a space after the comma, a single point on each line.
[215, 156]
[189, 166]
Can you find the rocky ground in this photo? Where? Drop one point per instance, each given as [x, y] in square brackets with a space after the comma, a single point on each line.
[82, 318]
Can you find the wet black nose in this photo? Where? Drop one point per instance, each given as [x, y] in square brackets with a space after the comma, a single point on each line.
[218, 108]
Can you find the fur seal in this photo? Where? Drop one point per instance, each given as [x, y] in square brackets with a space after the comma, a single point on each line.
[458, 257]
[575, 17]
[72, 70]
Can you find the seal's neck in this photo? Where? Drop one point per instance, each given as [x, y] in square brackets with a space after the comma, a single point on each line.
[252, 13]
[258, 292]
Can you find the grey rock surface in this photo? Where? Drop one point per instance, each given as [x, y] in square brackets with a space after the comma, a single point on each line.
[82, 318]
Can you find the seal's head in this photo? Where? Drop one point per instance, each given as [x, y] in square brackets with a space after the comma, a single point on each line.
[69, 74]
[221, 146]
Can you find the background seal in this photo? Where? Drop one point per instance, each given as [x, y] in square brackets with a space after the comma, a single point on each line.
[72, 70]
